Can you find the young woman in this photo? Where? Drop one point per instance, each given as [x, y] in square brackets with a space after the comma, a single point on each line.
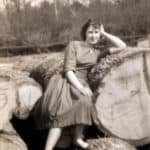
[68, 97]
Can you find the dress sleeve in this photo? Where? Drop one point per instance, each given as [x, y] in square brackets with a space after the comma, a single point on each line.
[70, 58]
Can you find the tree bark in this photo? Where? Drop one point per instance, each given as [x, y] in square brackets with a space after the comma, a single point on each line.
[110, 144]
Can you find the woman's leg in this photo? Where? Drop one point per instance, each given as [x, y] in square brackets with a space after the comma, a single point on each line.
[79, 137]
[53, 136]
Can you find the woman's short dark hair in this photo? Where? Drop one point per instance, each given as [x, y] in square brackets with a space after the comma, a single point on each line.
[85, 27]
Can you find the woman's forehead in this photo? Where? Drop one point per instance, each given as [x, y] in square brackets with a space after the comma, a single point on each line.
[91, 27]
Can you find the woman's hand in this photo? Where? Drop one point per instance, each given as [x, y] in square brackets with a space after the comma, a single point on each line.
[102, 29]
[115, 40]
[76, 83]
[87, 91]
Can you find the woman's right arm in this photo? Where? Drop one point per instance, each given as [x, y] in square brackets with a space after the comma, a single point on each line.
[76, 83]
[70, 68]
[117, 42]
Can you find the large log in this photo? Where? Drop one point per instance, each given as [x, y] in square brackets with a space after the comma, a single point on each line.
[28, 93]
[40, 67]
[30, 62]
[10, 140]
[18, 93]
[7, 100]
[47, 68]
[123, 103]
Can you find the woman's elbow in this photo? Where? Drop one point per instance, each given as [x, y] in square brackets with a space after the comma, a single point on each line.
[123, 45]
[67, 73]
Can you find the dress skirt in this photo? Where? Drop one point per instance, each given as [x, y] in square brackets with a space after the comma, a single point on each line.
[63, 105]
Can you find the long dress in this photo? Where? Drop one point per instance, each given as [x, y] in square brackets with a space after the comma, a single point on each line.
[62, 104]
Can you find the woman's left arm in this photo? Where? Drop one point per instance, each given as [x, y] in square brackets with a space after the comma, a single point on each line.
[117, 42]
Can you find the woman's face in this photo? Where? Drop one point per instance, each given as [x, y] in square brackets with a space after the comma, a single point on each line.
[92, 35]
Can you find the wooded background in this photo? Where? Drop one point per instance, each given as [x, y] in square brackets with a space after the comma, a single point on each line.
[21, 23]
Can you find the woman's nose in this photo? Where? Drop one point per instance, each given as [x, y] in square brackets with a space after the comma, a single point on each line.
[92, 35]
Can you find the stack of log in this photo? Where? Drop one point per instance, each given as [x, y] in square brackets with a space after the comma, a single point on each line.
[9, 139]
[42, 67]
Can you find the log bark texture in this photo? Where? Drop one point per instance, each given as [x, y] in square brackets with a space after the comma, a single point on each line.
[109, 144]
[18, 94]
[40, 67]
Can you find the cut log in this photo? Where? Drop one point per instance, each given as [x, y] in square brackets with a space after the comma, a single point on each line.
[123, 105]
[10, 140]
[100, 70]
[29, 63]
[19, 93]
[28, 92]
[7, 100]
[41, 67]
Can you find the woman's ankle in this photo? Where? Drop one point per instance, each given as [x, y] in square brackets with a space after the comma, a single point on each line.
[83, 144]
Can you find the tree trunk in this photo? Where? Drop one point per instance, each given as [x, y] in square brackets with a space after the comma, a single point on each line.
[123, 103]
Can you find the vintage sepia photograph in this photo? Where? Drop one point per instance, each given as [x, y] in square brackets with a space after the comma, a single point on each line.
[74, 75]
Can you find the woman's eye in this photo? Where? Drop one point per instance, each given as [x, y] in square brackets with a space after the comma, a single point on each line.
[90, 32]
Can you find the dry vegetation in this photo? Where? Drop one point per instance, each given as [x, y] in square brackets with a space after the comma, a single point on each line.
[61, 23]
